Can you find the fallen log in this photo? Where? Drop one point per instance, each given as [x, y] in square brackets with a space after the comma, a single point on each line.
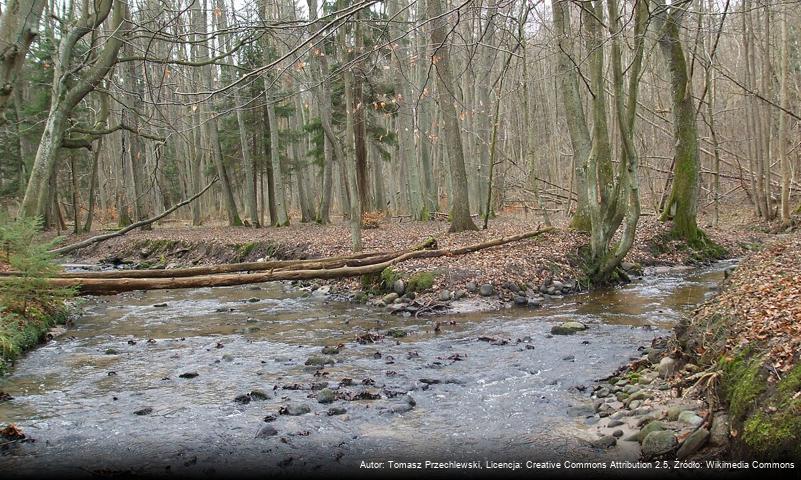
[354, 260]
[141, 223]
[110, 286]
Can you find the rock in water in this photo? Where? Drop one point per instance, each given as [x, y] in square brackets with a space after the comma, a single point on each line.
[144, 411]
[295, 409]
[336, 411]
[568, 328]
[607, 441]
[325, 395]
[319, 361]
[267, 431]
[693, 443]
[658, 443]
[520, 300]
[486, 290]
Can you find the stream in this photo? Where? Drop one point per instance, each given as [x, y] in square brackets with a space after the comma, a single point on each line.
[486, 386]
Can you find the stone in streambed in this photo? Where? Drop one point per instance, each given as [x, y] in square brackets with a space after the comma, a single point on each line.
[389, 298]
[693, 443]
[607, 441]
[295, 409]
[259, 395]
[568, 328]
[330, 350]
[398, 287]
[520, 300]
[651, 427]
[472, 287]
[336, 411]
[325, 395]
[319, 361]
[658, 443]
[267, 431]
[486, 290]
[581, 411]
[690, 418]
[144, 411]
[444, 296]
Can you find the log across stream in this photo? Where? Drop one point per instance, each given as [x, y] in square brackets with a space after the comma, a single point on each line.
[108, 283]
[186, 381]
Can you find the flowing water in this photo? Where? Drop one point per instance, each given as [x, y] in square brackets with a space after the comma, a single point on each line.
[489, 386]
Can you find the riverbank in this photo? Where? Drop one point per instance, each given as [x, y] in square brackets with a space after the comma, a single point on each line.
[728, 384]
[520, 273]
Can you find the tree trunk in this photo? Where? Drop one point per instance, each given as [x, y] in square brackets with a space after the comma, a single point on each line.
[460, 210]
[682, 204]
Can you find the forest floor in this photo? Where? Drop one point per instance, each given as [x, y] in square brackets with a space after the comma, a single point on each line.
[522, 272]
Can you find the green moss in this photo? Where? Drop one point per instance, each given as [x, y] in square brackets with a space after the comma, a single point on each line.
[388, 277]
[18, 334]
[775, 430]
[743, 383]
[360, 297]
[420, 281]
[245, 249]
[371, 282]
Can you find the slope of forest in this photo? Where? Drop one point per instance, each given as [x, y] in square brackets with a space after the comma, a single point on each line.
[748, 339]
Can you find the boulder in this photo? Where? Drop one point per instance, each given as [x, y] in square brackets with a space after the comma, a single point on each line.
[319, 361]
[690, 418]
[651, 427]
[295, 409]
[568, 328]
[693, 443]
[486, 290]
[607, 441]
[719, 435]
[389, 298]
[266, 432]
[325, 395]
[398, 287]
[658, 443]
